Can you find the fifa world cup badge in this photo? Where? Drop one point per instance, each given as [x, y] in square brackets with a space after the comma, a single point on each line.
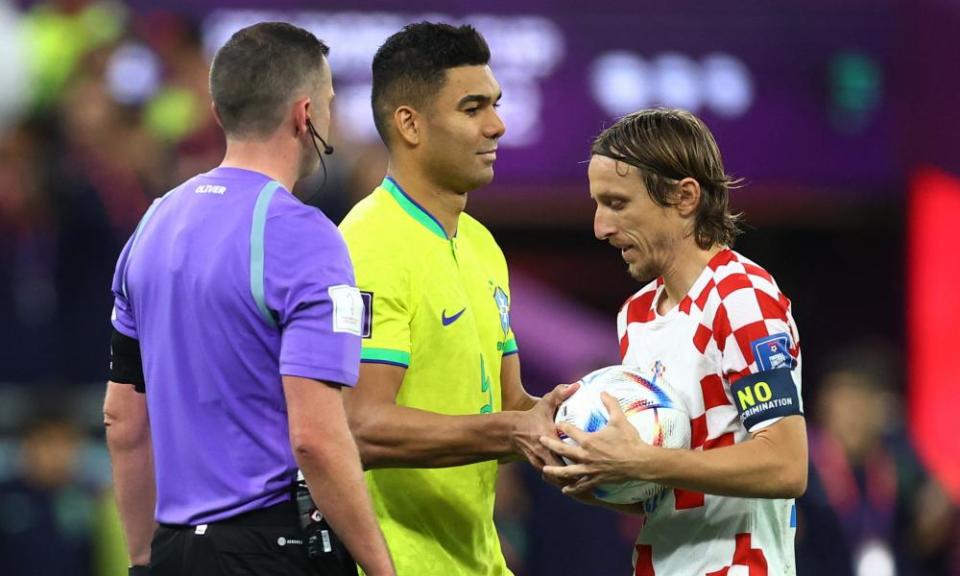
[503, 305]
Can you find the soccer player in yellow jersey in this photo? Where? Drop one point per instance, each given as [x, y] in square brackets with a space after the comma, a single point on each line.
[439, 400]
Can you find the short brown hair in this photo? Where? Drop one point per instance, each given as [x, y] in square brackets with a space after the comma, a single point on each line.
[667, 146]
[257, 71]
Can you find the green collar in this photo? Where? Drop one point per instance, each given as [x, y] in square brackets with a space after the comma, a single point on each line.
[411, 207]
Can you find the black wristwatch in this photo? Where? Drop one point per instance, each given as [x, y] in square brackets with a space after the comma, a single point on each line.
[138, 571]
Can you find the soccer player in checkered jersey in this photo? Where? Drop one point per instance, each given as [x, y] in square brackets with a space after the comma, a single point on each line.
[717, 328]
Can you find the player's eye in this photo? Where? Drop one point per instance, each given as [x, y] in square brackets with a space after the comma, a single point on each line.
[472, 111]
[616, 204]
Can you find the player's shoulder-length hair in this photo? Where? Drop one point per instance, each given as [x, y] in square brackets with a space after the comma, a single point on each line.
[666, 146]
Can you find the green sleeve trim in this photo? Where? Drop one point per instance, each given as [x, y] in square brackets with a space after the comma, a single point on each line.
[257, 232]
[385, 356]
[510, 347]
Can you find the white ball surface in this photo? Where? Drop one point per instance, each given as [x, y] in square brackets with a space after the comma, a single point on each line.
[651, 406]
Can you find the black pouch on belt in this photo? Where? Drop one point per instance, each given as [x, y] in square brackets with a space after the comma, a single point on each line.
[325, 550]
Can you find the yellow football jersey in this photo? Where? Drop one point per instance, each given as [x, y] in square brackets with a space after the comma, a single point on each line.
[440, 307]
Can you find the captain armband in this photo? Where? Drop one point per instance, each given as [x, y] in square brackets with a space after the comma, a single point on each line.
[765, 396]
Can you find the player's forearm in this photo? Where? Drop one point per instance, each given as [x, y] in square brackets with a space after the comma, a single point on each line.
[515, 396]
[772, 464]
[519, 402]
[131, 455]
[331, 466]
[399, 436]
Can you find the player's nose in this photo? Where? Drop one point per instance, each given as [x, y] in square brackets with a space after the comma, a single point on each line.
[495, 127]
[603, 226]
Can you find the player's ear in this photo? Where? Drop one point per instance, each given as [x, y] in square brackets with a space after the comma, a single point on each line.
[409, 124]
[688, 197]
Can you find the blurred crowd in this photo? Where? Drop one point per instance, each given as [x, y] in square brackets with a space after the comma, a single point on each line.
[114, 110]
[96, 139]
[101, 111]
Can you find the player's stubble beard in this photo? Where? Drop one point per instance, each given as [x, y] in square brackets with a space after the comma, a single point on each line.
[643, 273]
[457, 174]
[651, 261]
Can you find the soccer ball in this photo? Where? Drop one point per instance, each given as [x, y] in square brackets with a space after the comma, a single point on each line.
[651, 406]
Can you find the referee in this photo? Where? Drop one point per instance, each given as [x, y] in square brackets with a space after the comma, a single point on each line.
[236, 323]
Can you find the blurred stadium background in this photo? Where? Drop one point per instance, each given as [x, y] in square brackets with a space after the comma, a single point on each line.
[842, 116]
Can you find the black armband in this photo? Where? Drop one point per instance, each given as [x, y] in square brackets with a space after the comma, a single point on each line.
[766, 395]
[126, 364]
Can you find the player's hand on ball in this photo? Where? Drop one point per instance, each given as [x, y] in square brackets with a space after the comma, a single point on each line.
[537, 422]
[609, 456]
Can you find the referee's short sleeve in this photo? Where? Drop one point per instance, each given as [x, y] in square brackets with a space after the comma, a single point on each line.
[309, 287]
[122, 317]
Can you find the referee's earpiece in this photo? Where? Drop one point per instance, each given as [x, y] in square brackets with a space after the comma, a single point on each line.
[327, 149]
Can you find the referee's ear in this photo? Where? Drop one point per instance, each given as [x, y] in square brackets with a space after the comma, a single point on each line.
[301, 114]
[216, 114]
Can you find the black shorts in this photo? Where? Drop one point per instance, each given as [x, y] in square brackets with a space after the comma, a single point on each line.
[265, 542]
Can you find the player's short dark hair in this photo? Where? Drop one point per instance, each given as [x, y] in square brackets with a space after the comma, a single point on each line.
[670, 145]
[256, 73]
[410, 67]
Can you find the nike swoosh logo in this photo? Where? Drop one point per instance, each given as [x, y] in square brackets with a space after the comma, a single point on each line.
[448, 320]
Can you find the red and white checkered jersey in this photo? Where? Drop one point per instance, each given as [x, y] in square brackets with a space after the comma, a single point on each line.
[704, 345]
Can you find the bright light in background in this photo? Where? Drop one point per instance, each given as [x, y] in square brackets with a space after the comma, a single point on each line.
[933, 314]
[618, 81]
[133, 74]
[15, 75]
[856, 89]
[727, 86]
[676, 81]
[623, 82]
[520, 112]
[875, 559]
[525, 51]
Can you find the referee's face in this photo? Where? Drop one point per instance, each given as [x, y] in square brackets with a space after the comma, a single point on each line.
[648, 235]
[462, 129]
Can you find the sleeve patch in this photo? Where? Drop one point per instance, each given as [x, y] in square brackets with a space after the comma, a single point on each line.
[348, 309]
[772, 352]
[366, 327]
[764, 396]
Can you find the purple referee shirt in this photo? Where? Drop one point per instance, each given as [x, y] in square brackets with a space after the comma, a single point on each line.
[228, 282]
